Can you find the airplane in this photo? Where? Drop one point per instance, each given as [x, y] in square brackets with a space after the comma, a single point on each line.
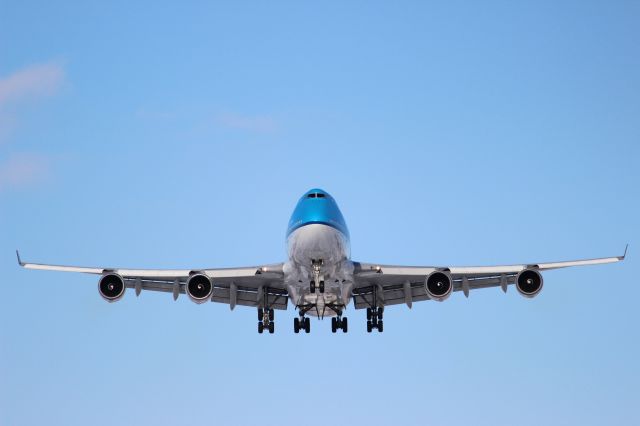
[319, 277]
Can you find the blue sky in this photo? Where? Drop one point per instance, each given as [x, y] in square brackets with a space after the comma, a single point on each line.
[159, 135]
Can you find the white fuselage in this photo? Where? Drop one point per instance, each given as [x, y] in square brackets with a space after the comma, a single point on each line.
[313, 243]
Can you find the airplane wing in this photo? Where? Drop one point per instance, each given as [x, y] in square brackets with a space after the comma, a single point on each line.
[382, 285]
[246, 286]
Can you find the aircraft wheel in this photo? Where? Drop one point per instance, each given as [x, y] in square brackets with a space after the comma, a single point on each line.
[296, 325]
[312, 287]
[271, 327]
[380, 326]
[260, 314]
[321, 286]
[369, 326]
[334, 324]
[368, 314]
[307, 325]
[345, 325]
[260, 327]
[380, 313]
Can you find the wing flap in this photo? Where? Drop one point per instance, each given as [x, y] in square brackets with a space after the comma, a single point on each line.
[386, 283]
[248, 281]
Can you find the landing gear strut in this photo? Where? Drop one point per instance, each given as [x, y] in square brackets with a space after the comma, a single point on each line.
[266, 320]
[374, 319]
[316, 265]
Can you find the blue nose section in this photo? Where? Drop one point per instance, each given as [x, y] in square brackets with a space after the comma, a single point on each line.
[317, 206]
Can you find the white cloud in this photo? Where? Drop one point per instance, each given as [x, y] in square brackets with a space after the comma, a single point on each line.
[258, 123]
[31, 82]
[21, 170]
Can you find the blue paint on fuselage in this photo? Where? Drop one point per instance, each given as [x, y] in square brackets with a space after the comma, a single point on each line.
[317, 206]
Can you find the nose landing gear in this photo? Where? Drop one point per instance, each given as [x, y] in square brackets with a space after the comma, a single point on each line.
[316, 266]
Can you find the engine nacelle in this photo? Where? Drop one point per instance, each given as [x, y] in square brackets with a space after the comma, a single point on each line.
[439, 285]
[199, 288]
[111, 287]
[529, 283]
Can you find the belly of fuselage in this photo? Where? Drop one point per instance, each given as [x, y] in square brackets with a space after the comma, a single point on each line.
[317, 241]
[312, 243]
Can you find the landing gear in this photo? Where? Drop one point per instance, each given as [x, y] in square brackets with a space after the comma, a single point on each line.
[266, 320]
[316, 266]
[339, 323]
[302, 323]
[312, 286]
[374, 319]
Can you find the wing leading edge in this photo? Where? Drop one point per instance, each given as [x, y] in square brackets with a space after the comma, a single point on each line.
[248, 286]
[381, 285]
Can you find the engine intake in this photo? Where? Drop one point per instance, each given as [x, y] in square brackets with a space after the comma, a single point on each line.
[199, 288]
[111, 287]
[439, 285]
[529, 283]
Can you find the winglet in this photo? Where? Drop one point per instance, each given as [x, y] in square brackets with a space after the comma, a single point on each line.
[625, 252]
[20, 262]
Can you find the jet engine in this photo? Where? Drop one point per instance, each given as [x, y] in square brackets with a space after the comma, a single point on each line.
[111, 287]
[439, 285]
[199, 288]
[529, 283]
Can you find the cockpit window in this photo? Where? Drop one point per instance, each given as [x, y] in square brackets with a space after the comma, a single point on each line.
[311, 196]
[316, 195]
[320, 195]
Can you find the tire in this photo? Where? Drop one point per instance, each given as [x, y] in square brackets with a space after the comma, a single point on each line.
[380, 326]
[271, 314]
[368, 314]
[307, 325]
[321, 286]
[374, 321]
[369, 326]
[296, 325]
[312, 287]
[260, 327]
[345, 325]
[271, 327]
[380, 313]
[260, 314]
[334, 325]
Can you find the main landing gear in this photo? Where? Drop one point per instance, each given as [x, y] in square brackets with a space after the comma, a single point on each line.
[266, 320]
[339, 323]
[374, 319]
[302, 323]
